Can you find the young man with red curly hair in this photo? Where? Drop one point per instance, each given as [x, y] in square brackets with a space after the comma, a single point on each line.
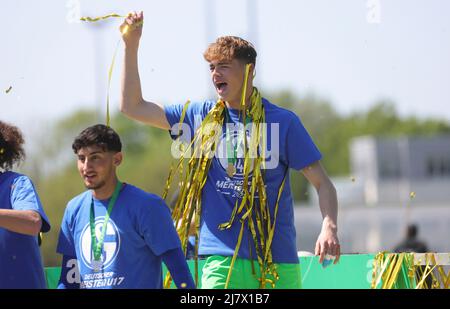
[260, 228]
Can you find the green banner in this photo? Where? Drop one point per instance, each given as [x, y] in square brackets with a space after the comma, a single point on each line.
[352, 272]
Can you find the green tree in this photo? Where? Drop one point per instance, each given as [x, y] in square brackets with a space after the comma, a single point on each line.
[333, 132]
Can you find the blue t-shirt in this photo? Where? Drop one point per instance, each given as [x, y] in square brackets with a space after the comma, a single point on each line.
[288, 146]
[20, 259]
[139, 230]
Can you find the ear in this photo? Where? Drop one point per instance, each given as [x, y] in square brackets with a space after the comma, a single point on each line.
[252, 71]
[117, 158]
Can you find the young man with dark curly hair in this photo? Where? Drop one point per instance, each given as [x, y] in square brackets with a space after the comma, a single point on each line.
[115, 235]
[22, 218]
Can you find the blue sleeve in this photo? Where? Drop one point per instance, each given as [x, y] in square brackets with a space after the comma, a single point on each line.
[65, 240]
[157, 227]
[173, 113]
[300, 149]
[178, 268]
[25, 197]
[194, 116]
[69, 274]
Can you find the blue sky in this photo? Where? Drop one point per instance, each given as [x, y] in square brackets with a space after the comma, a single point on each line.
[342, 51]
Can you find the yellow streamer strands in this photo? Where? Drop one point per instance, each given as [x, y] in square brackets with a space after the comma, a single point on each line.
[94, 19]
[188, 208]
[390, 268]
[111, 67]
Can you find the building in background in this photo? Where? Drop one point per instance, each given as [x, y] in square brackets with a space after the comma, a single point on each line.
[393, 182]
[395, 170]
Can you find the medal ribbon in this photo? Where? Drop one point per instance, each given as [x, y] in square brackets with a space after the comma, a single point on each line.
[97, 246]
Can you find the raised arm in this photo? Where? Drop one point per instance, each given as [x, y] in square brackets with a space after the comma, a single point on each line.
[131, 102]
[327, 242]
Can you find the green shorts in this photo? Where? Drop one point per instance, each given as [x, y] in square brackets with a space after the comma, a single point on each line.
[215, 272]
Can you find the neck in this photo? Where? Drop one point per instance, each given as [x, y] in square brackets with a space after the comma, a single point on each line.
[106, 191]
[236, 104]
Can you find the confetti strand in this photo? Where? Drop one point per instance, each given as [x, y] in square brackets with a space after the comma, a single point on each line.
[111, 66]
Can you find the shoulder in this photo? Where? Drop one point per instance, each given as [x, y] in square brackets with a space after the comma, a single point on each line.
[145, 206]
[285, 118]
[21, 190]
[194, 114]
[193, 107]
[278, 112]
[201, 108]
[20, 184]
[208, 105]
[74, 205]
[11, 175]
[141, 197]
[18, 179]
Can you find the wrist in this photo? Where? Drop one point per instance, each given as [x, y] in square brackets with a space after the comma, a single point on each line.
[131, 47]
[329, 224]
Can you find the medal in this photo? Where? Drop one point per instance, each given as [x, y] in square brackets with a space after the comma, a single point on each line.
[96, 265]
[232, 150]
[231, 170]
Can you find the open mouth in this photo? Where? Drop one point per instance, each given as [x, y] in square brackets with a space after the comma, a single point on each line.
[221, 87]
[89, 177]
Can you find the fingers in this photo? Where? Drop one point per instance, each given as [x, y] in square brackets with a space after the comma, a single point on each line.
[317, 248]
[136, 17]
[338, 254]
[324, 248]
[323, 252]
[318, 251]
[132, 21]
[332, 248]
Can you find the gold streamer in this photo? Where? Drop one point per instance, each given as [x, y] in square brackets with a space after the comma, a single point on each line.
[388, 267]
[94, 19]
[194, 178]
[111, 67]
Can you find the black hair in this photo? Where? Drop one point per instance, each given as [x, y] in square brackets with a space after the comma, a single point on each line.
[98, 135]
[11, 146]
[412, 230]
